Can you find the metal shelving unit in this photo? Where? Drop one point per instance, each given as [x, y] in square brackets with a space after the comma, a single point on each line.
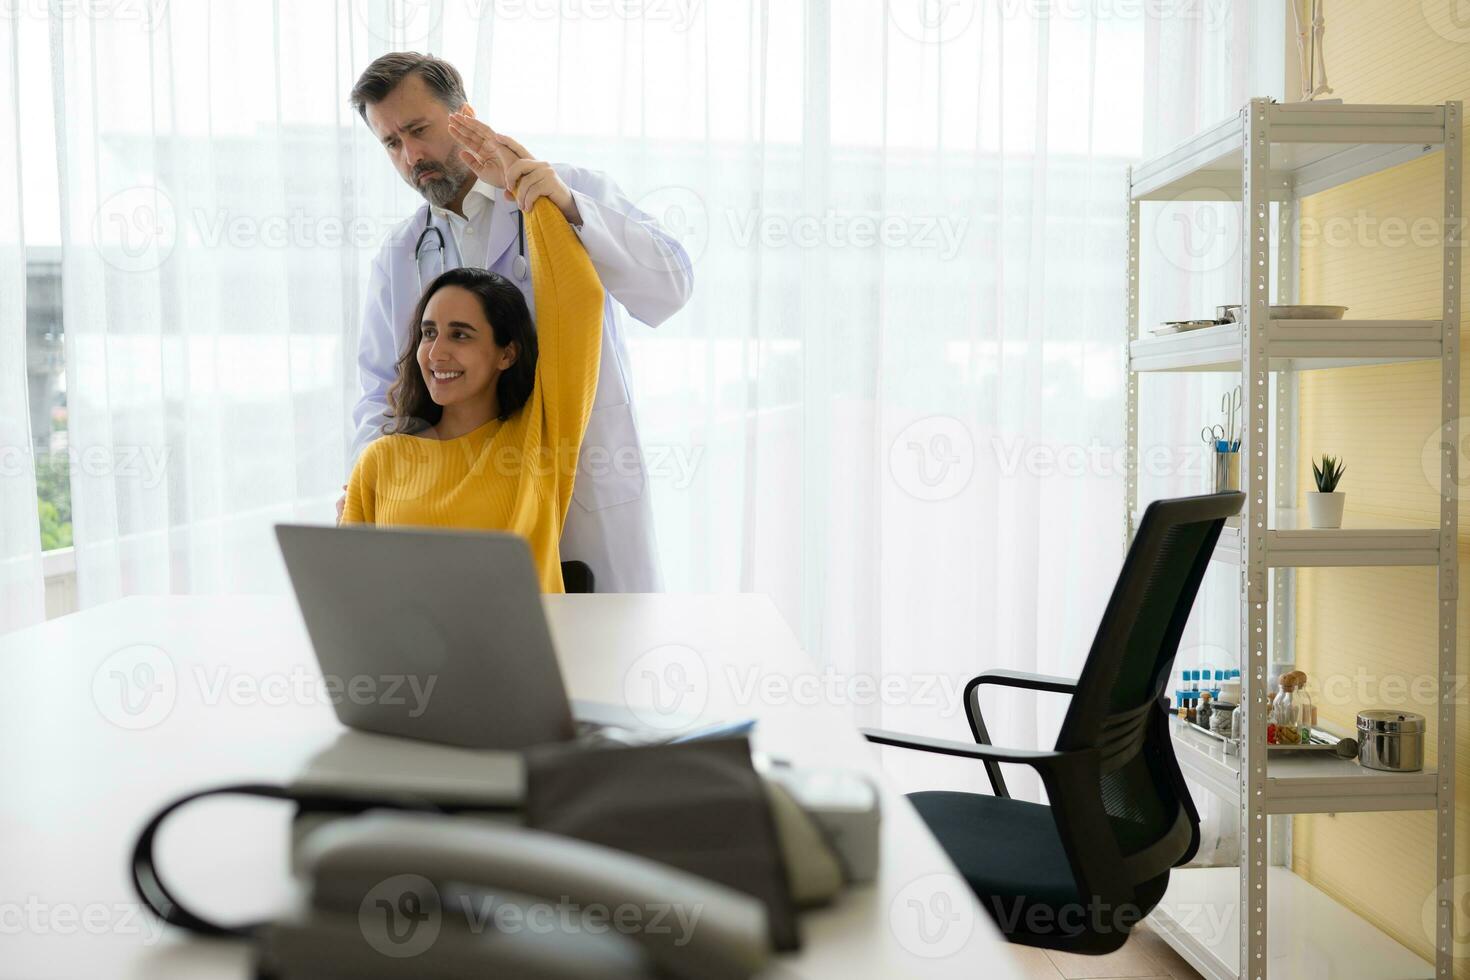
[1276, 154]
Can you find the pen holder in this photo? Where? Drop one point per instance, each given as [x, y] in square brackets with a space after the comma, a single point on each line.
[1227, 471]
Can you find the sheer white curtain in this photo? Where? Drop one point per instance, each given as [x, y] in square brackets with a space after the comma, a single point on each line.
[898, 384]
[1191, 259]
[1191, 263]
[21, 593]
[894, 403]
[215, 232]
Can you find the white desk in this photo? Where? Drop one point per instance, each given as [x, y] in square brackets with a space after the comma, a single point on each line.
[79, 774]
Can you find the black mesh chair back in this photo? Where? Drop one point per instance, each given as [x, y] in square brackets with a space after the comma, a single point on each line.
[1079, 872]
[1119, 709]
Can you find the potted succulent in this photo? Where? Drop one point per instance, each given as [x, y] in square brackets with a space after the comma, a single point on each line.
[1324, 507]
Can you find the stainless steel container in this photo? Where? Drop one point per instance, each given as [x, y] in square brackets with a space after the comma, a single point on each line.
[1391, 740]
[1227, 471]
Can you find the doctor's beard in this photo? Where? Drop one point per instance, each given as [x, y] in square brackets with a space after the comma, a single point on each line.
[440, 191]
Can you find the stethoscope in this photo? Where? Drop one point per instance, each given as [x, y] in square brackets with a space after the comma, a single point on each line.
[518, 266]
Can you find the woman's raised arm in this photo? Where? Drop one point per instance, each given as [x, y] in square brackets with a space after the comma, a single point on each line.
[569, 295]
[569, 299]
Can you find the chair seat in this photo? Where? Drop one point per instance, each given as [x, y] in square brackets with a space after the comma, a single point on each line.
[1007, 850]
[1011, 855]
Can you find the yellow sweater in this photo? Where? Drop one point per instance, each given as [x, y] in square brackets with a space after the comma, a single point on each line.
[514, 475]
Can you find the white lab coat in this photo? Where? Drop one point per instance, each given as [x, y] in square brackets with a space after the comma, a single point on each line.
[644, 272]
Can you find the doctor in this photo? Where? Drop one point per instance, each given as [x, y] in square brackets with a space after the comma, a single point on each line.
[415, 105]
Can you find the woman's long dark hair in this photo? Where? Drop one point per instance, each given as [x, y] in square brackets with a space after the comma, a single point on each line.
[510, 320]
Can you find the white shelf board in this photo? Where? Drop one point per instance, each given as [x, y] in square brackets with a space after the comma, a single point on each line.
[1313, 148]
[1302, 783]
[1310, 934]
[1364, 540]
[1292, 345]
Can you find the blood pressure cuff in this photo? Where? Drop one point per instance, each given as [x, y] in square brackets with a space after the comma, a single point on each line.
[699, 806]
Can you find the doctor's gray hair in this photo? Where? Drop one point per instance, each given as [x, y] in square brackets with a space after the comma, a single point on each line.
[505, 309]
[383, 75]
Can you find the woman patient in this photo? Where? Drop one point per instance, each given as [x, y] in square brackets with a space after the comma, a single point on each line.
[486, 427]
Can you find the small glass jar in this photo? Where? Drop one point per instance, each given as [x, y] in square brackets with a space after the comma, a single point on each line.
[1291, 711]
[1222, 719]
[1237, 728]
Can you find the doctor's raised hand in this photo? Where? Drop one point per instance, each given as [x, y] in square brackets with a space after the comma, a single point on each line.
[499, 160]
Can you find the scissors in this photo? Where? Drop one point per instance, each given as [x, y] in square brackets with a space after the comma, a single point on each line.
[1230, 407]
[1212, 436]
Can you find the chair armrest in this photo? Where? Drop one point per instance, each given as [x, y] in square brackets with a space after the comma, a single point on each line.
[944, 746]
[1028, 681]
[1006, 678]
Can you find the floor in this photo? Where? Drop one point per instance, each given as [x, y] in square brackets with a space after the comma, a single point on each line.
[1144, 957]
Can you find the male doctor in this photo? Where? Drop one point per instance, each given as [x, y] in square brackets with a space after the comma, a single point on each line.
[415, 104]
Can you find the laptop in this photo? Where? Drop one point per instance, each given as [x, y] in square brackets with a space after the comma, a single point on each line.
[439, 635]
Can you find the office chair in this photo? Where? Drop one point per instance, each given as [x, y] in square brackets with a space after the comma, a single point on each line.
[1078, 874]
[576, 576]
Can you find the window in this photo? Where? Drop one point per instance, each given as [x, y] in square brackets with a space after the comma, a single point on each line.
[47, 394]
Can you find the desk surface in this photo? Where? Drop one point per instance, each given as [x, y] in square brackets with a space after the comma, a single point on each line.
[115, 710]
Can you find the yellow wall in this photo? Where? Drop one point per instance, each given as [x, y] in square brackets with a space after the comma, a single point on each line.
[1366, 636]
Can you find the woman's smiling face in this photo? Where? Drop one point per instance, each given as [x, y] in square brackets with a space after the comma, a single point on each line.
[457, 354]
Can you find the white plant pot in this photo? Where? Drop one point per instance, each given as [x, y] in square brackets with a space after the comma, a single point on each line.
[1325, 509]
